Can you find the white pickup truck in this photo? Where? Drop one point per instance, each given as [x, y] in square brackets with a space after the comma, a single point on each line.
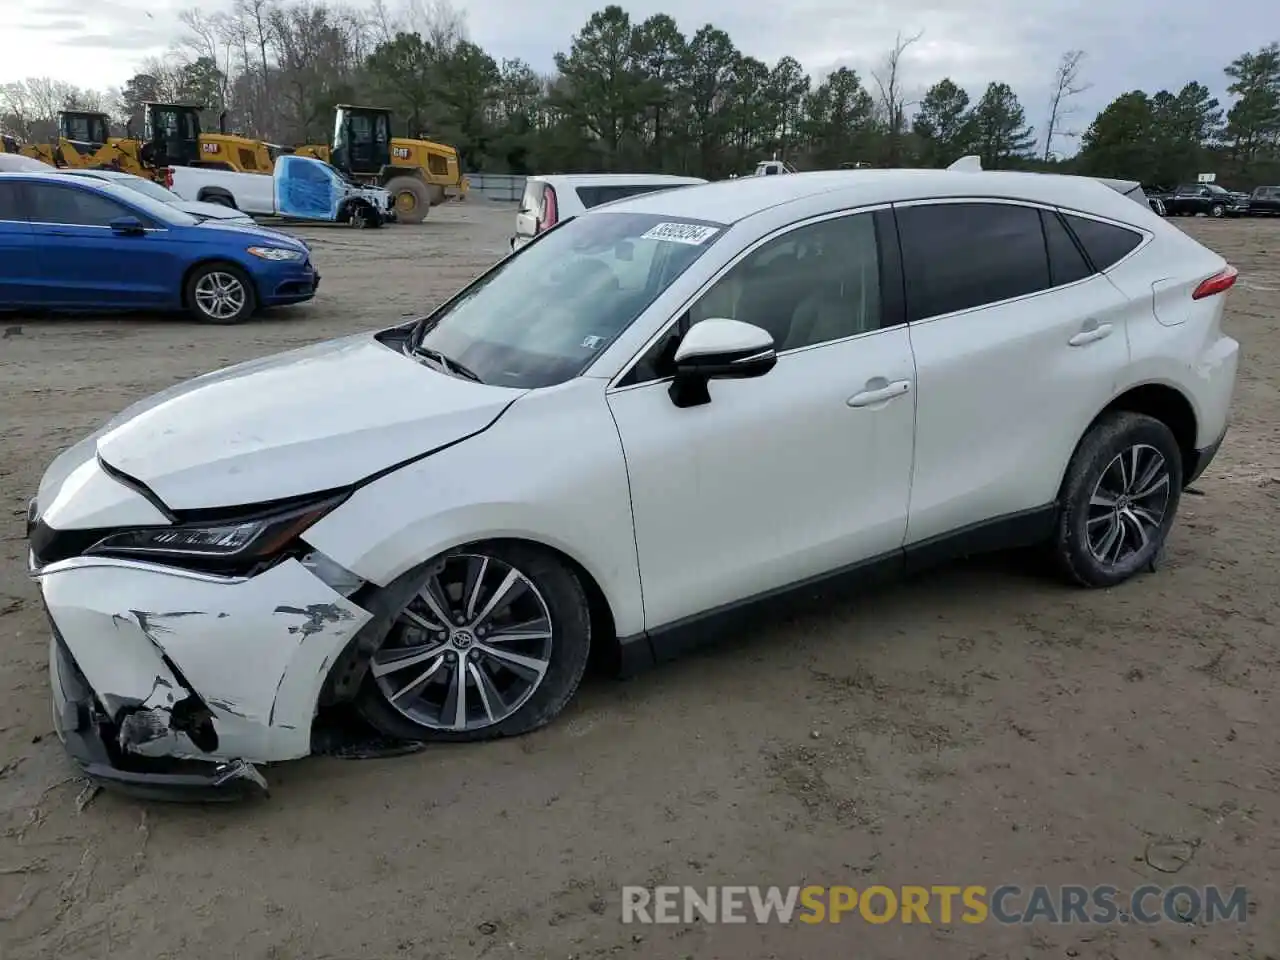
[300, 188]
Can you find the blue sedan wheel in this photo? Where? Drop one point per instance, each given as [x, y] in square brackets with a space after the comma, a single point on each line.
[220, 293]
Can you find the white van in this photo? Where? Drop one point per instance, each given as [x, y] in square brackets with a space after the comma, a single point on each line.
[550, 199]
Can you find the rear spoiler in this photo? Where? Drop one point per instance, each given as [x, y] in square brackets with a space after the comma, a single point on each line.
[1129, 188]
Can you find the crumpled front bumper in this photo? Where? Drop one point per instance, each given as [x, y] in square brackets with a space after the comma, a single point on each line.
[167, 681]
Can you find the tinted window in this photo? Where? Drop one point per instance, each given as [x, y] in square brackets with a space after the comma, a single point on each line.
[816, 284]
[10, 208]
[594, 196]
[1066, 263]
[961, 255]
[50, 204]
[1103, 242]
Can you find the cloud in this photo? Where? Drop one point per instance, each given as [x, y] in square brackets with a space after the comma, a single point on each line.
[1147, 44]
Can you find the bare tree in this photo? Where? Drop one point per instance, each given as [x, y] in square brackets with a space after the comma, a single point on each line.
[439, 22]
[891, 98]
[1066, 85]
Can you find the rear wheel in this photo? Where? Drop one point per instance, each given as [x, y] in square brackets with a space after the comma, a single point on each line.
[220, 293]
[412, 199]
[1119, 499]
[493, 643]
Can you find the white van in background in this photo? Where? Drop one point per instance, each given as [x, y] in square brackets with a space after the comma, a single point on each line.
[550, 199]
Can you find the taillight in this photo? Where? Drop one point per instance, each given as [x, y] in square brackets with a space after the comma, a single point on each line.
[1220, 282]
[550, 211]
[168, 177]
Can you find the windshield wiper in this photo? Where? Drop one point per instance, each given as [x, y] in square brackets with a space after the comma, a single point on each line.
[451, 365]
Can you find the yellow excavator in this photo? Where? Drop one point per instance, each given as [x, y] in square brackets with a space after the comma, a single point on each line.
[420, 174]
[84, 141]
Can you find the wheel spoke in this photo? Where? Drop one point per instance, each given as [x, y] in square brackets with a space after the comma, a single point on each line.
[421, 622]
[420, 680]
[1149, 517]
[433, 596]
[1148, 476]
[1109, 539]
[477, 567]
[518, 632]
[487, 692]
[391, 659]
[1101, 499]
[530, 666]
[509, 583]
[454, 713]
[1160, 483]
[1137, 527]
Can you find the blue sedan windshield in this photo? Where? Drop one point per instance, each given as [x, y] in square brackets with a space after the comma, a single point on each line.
[163, 212]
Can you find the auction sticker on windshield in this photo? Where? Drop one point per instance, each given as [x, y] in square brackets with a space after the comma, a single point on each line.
[694, 234]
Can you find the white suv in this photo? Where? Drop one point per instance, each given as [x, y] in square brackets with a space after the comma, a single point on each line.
[548, 200]
[649, 423]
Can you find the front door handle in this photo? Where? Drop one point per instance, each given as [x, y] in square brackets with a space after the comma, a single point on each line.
[1091, 335]
[890, 391]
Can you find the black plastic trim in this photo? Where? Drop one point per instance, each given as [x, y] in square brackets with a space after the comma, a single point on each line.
[673, 640]
[1202, 458]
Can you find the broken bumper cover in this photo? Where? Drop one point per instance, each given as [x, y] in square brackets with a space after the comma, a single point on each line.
[91, 740]
[172, 681]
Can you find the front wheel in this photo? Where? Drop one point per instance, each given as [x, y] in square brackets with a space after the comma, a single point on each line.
[1119, 499]
[220, 293]
[412, 199]
[493, 643]
[1217, 210]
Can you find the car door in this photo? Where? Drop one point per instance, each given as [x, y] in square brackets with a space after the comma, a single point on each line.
[306, 189]
[86, 263]
[798, 473]
[1018, 342]
[19, 283]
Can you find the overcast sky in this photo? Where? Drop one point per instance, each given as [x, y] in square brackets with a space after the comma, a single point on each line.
[1147, 44]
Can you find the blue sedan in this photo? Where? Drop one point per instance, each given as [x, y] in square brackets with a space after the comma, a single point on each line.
[70, 243]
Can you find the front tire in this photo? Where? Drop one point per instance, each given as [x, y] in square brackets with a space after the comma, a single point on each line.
[412, 199]
[1120, 498]
[220, 293]
[493, 643]
[1217, 211]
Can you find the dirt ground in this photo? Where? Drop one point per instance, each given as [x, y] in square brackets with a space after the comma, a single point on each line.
[980, 725]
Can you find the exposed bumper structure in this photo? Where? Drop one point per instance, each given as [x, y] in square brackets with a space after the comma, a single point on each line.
[168, 682]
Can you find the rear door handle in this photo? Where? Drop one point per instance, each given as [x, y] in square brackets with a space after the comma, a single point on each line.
[1099, 332]
[890, 391]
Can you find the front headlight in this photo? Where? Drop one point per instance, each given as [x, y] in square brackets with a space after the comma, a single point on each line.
[232, 542]
[275, 253]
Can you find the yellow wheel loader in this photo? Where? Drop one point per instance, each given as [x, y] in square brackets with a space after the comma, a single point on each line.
[171, 137]
[420, 174]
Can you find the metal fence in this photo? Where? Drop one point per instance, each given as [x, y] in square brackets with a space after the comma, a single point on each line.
[500, 187]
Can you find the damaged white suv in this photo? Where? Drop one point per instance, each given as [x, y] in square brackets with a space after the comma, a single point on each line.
[654, 418]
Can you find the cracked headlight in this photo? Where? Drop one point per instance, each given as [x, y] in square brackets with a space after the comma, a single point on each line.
[231, 541]
[275, 253]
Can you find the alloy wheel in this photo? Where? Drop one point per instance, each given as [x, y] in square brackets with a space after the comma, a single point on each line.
[220, 295]
[469, 649]
[1128, 505]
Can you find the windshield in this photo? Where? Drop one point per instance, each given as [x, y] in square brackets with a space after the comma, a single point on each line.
[147, 188]
[1214, 188]
[544, 314]
[155, 209]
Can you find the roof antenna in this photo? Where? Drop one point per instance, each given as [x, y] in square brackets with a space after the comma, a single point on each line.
[969, 164]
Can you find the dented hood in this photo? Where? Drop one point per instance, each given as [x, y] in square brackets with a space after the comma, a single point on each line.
[318, 418]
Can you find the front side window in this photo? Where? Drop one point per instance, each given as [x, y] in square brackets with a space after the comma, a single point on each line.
[10, 203]
[815, 284]
[957, 256]
[67, 205]
[542, 316]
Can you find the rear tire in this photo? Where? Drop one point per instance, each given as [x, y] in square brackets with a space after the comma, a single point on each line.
[412, 199]
[220, 293]
[1119, 500]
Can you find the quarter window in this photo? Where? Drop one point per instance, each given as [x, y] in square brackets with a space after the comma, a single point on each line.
[1105, 243]
[67, 205]
[956, 256]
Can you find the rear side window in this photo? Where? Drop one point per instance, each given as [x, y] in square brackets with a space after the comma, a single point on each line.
[607, 193]
[10, 207]
[957, 256]
[1066, 263]
[1105, 243]
[67, 205]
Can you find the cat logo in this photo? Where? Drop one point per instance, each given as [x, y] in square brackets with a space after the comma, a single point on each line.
[209, 147]
[400, 153]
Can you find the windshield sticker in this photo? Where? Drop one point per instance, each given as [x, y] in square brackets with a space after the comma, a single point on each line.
[591, 343]
[694, 234]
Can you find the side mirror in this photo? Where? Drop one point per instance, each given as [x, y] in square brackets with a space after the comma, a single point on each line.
[719, 349]
[129, 226]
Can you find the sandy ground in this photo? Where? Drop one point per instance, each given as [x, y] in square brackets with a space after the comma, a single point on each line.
[981, 725]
